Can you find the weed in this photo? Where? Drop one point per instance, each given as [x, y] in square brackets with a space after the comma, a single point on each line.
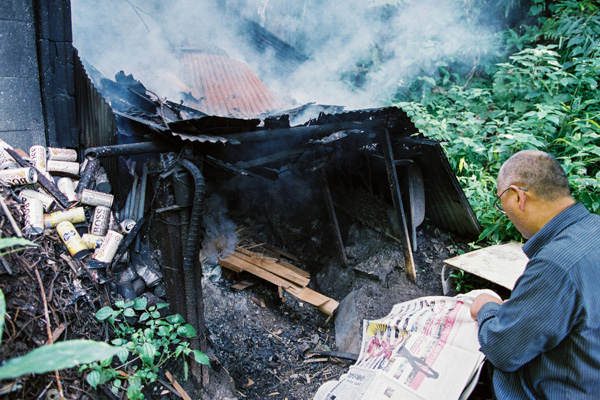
[145, 346]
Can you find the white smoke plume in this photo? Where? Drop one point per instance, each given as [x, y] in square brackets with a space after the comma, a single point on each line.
[395, 41]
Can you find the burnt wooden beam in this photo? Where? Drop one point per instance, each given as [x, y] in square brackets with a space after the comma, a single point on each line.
[303, 132]
[334, 221]
[42, 179]
[403, 234]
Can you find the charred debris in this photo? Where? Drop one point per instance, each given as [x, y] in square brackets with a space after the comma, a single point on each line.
[181, 192]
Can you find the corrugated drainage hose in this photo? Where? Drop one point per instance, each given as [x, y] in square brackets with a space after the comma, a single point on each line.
[189, 251]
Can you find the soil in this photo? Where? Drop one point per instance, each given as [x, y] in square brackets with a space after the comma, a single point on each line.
[266, 349]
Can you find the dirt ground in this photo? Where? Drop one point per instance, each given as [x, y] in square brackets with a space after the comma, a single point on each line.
[266, 349]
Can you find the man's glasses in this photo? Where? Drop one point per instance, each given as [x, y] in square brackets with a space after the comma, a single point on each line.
[498, 203]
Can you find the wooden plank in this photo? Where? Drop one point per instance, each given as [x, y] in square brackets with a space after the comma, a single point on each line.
[233, 262]
[272, 267]
[502, 264]
[283, 263]
[243, 285]
[323, 303]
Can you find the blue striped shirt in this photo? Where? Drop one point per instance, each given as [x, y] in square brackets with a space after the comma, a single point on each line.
[545, 341]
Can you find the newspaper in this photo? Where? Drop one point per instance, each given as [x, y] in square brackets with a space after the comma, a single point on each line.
[423, 349]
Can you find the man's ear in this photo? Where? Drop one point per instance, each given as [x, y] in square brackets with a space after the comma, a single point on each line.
[521, 197]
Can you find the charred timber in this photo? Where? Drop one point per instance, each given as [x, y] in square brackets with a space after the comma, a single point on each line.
[127, 149]
[42, 180]
[307, 131]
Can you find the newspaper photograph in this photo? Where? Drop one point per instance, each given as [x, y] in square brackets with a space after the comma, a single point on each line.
[425, 348]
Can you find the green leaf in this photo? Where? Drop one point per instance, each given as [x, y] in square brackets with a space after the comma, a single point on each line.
[129, 312]
[201, 358]
[163, 330]
[10, 242]
[104, 313]
[59, 355]
[161, 305]
[186, 330]
[134, 391]
[155, 314]
[147, 353]
[144, 317]
[93, 378]
[123, 354]
[140, 303]
[175, 319]
[119, 303]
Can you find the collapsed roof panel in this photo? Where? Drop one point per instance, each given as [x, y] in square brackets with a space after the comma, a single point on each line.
[221, 86]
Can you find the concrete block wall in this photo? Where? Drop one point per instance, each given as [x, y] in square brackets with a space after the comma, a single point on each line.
[21, 114]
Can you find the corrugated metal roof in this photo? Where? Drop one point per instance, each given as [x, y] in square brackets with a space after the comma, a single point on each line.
[226, 87]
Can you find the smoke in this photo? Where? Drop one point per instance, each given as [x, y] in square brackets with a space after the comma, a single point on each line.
[360, 51]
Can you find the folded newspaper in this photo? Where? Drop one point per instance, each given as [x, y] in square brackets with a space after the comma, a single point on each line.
[424, 349]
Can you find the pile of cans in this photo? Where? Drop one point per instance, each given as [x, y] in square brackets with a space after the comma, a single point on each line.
[87, 225]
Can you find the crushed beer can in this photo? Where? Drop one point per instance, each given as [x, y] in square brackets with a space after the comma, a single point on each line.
[65, 185]
[73, 215]
[47, 200]
[63, 167]
[100, 221]
[107, 250]
[95, 198]
[62, 154]
[33, 212]
[92, 241]
[18, 176]
[68, 234]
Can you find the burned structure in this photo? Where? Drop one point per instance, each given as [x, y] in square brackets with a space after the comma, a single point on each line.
[236, 177]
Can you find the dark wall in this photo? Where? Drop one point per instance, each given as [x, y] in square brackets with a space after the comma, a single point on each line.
[37, 103]
[21, 114]
[56, 70]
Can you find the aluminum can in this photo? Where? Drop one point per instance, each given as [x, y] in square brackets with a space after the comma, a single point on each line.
[100, 221]
[113, 225]
[61, 154]
[38, 157]
[33, 211]
[6, 160]
[63, 167]
[18, 176]
[94, 198]
[68, 234]
[92, 241]
[127, 225]
[107, 250]
[73, 215]
[65, 185]
[102, 182]
[47, 200]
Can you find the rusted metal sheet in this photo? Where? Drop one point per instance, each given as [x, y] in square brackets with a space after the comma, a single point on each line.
[225, 87]
[446, 205]
[96, 122]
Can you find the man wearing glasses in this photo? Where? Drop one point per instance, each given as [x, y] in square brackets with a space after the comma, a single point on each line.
[544, 342]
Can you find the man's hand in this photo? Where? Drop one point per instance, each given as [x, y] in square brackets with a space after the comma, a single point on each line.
[481, 300]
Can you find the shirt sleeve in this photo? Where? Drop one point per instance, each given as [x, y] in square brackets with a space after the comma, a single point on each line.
[540, 313]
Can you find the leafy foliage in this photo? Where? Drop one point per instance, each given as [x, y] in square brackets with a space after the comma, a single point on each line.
[543, 96]
[144, 346]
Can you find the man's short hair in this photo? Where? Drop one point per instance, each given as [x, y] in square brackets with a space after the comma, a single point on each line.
[536, 170]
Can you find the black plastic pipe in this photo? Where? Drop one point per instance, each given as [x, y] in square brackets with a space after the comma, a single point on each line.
[191, 244]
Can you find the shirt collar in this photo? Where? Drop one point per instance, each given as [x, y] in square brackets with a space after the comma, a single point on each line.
[567, 217]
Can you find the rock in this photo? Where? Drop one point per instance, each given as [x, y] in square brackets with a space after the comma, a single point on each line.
[348, 326]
